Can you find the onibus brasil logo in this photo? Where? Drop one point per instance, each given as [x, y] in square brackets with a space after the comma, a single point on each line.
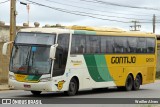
[20, 101]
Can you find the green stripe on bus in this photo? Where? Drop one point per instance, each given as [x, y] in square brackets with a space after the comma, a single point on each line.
[33, 78]
[103, 68]
[84, 32]
[97, 68]
[92, 68]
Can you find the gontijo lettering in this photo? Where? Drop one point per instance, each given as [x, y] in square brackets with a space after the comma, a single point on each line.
[123, 60]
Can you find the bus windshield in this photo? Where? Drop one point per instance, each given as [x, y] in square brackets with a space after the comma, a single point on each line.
[31, 58]
[35, 38]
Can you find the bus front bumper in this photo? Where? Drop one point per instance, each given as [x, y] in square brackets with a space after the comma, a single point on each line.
[39, 86]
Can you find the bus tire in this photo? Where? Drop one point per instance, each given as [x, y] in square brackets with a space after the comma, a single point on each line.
[137, 82]
[129, 83]
[36, 92]
[73, 87]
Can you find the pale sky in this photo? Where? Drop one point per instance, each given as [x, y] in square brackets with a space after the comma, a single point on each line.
[92, 8]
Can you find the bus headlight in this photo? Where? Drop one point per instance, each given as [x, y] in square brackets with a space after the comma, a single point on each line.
[12, 77]
[45, 79]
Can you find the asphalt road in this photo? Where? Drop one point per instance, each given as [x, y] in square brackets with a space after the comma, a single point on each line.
[146, 91]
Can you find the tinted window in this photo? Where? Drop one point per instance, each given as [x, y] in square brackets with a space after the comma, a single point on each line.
[132, 44]
[107, 44]
[92, 44]
[78, 44]
[63, 41]
[111, 44]
[61, 55]
[120, 44]
[150, 45]
[141, 45]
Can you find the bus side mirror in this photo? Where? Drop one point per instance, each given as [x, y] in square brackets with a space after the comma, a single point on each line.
[5, 46]
[53, 51]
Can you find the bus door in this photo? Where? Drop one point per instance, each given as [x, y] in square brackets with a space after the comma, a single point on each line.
[61, 55]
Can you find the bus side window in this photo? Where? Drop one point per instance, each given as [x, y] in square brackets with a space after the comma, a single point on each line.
[150, 45]
[92, 44]
[78, 44]
[109, 44]
[120, 44]
[132, 44]
[141, 45]
[103, 44]
[81, 48]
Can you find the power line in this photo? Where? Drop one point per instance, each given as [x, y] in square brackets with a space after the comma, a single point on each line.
[94, 10]
[120, 5]
[74, 12]
[79, 13]
[142, 14]
[4, 2]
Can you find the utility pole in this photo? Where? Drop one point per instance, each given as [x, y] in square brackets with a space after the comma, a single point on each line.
[13, 14]
[135, 26]
[154, 23]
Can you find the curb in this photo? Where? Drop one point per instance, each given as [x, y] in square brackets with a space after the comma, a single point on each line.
[4, 87]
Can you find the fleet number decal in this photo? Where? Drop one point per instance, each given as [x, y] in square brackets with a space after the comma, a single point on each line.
[149, 59]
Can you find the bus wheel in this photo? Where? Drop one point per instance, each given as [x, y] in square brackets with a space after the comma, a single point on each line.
[137, 83]
[36, 92]
[73, 87]
[129, 83]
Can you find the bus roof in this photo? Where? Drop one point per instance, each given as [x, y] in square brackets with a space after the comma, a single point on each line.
[89, 28]
[46, 30]
[89, 31]
[106, 31]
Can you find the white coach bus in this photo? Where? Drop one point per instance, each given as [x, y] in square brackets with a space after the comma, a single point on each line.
[69, 60]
